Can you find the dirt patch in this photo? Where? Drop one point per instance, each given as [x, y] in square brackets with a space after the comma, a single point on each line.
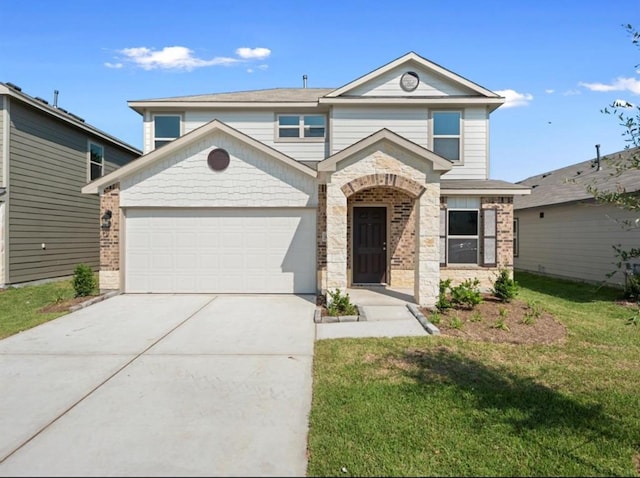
[514, 322]
[65, 305]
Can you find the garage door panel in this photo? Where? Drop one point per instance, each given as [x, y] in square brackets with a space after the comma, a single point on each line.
[223, 250]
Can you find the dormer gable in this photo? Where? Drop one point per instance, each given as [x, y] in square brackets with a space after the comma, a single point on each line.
[413, 78]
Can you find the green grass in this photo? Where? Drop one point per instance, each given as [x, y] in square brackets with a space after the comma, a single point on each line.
[19, 307]
[437, 406]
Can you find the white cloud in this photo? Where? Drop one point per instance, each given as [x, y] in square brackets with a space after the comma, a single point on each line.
[171, 58]
[571, 92]
[549, 91]
[619, 84]
[183, 58]
[514, 99]
[253, 53]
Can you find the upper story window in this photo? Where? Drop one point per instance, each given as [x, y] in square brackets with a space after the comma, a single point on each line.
[301, 127]
[96, 161]
[446, 134]
[166, 128]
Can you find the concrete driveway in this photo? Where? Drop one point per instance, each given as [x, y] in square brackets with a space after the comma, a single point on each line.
[161, 385]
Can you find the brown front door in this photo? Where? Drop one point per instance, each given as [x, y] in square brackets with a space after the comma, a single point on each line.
[369, 245]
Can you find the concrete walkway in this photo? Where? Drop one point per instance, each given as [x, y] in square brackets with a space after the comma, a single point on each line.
[385, 315]
[161, 385]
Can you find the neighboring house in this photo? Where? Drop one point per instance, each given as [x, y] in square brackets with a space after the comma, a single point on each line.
[303, 190]
[47, 226]
[562, 231]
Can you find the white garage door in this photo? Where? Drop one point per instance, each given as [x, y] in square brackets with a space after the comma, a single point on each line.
[220, 250]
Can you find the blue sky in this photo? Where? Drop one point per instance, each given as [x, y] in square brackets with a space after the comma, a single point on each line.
[559, 63]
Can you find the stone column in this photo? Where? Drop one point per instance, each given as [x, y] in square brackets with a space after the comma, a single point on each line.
[336, 238]
[109, 275]
[427, 262]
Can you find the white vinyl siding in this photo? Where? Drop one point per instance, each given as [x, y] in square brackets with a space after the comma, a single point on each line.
[430, 84]
[351, 124]
[259, 125]
[174, 250]
[253, 179]
[573, 241]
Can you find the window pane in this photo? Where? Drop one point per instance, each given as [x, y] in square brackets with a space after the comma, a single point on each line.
[314, 132]
[159, 143]
[446, 123]
[167, 126]
[463, 223]
[314, 120]
[288, 133]
[463, 251]
[96, 153]
[96, 170]
[448, 148]
[288, 120]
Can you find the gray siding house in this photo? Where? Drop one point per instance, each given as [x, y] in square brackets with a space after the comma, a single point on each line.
[560, 230]
[47, 226]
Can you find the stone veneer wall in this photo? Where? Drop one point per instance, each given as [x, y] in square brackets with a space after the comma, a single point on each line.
[386, 165]
[321, 232]
[401, 230]
[109, 275]
[2, 252]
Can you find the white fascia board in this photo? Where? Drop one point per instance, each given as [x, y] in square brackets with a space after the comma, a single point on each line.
[412, 57]
[140, 106]
[484, 192]
[95, 187]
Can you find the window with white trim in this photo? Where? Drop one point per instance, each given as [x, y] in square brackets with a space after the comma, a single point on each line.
[468, 233]
[516, 232]
[166, 128]
[300, 127]
[446, 134]
[462, 236]
[96, 161]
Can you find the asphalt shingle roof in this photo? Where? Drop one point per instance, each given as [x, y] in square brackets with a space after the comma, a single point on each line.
[269, 95]
[570, 183]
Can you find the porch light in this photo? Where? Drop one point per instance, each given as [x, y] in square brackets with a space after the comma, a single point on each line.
[106, 219]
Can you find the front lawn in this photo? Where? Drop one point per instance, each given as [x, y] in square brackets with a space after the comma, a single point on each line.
[455, 406]
[21, 307]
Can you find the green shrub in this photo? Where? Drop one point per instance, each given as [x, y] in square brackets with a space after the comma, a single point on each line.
[340, 304]
[467, 294]
[443, 302]
[632, 287]
[84, 280]
[505, 288]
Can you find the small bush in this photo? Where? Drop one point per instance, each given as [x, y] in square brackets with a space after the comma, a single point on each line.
[443, 302]
[467, 294]
[505, 288]
[632, 288]
[340, 304]
[84, 280]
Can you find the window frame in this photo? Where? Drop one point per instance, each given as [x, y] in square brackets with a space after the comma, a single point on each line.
[91, 162]
[516, 238]
[166, 139]
[449, 236]
[459, 136]
[300, 128]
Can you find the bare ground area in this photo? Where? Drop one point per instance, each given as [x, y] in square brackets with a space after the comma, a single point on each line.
[514, 322]
[65, 305]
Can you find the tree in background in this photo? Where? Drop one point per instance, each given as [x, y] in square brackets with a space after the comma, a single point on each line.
[628, 115]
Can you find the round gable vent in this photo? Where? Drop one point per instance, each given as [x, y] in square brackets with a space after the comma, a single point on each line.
[218, 159]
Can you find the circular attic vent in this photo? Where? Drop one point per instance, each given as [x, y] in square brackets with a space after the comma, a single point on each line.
[218, 159]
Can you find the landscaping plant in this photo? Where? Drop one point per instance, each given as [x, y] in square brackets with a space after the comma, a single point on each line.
[84, 280]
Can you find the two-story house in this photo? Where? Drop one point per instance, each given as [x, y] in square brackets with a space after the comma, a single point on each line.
[47, 154]
[300, 190]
